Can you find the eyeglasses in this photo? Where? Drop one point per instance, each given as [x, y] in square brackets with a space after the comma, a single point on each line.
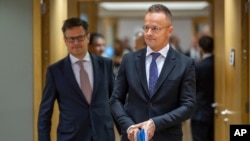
[77, 38]
[154, 29]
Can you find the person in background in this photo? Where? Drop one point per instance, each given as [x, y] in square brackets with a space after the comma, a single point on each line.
[139, 41]
[155, 86]
[97, 44]
[174, 41]
[126, 47]
[81, 83]
[118, 54]
[202, 121]
[194, 51]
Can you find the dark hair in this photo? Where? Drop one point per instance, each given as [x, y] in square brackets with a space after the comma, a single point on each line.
[93, 36]
[206, 43]
[73, 22]
[160, 8]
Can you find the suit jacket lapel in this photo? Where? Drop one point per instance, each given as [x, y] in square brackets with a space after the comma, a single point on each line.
[141, 69]
[69, 74]
[96, 69]
[168, 66]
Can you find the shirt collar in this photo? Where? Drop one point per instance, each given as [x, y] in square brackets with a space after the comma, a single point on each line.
[74, 59]
[163, 51]
[206, 55]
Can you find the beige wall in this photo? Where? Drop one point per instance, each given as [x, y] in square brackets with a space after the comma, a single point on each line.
[37, 63]
[58, 13]
[72, 8]
[58, 50]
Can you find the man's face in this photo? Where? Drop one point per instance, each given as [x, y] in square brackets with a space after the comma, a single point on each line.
[157, 29]
[76, 40]
[98, 46]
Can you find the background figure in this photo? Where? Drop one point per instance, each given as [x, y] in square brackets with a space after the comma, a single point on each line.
[174, 41]
[82, 96]
[126, 47]
[139, 41]
[194, 51]
[118, 54]
[97, 44]
[202, 121]
[155, 86]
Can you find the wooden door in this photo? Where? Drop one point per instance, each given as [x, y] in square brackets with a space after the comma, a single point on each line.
[232, 94]
[219, 52]
[248, 60]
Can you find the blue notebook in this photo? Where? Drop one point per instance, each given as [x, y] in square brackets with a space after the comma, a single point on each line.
[142, 135]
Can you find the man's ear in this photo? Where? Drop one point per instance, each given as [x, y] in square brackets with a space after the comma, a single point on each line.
[64, 40]
[170, 30]
[88, 36]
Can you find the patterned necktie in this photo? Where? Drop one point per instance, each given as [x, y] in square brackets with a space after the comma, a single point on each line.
[153, 73]
[85, 83]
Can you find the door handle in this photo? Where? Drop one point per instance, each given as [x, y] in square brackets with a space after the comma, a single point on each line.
[214, 105]
[226, 120]
[226, 112]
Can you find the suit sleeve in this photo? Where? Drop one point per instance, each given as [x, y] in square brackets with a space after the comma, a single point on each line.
[119, 96]
[187, 92]
[112, 77]
[46, 108]
[111, 87]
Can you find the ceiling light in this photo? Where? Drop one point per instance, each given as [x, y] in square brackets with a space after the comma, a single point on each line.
[145, 5]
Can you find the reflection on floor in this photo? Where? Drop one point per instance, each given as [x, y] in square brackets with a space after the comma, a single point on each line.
[186, 131]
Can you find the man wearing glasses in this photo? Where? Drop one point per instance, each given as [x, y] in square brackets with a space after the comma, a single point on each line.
[155, 86]
[82, 84]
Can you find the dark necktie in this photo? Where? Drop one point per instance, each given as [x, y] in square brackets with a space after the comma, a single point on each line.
[85, 82]
[153, 73]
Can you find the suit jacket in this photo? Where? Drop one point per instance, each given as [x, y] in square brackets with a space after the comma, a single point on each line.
[205, 91]
[78, 120]
[172, 102]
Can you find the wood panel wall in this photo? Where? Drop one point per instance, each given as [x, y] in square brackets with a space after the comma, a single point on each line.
[37, 62]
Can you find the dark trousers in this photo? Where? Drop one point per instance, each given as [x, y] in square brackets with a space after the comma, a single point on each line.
[202, 131]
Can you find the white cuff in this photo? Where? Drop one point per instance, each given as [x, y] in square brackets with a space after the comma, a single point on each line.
[130, 128]
[153, 122]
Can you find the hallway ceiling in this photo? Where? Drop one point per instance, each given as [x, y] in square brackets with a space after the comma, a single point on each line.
[138, 9]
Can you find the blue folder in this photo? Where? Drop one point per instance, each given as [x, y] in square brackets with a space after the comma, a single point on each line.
[142, 135]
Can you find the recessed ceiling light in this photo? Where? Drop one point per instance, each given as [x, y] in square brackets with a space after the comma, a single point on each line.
[145, 5]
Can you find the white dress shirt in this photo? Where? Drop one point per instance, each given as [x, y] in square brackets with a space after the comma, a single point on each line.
[159, 61]
[87, 66]
[206, 55]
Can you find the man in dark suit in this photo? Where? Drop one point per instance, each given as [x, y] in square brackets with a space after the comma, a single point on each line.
[155, 86]
[82, 84]
[202, 121]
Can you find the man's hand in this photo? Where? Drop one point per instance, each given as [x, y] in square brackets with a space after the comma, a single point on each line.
[149, 126]
[132, 133]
